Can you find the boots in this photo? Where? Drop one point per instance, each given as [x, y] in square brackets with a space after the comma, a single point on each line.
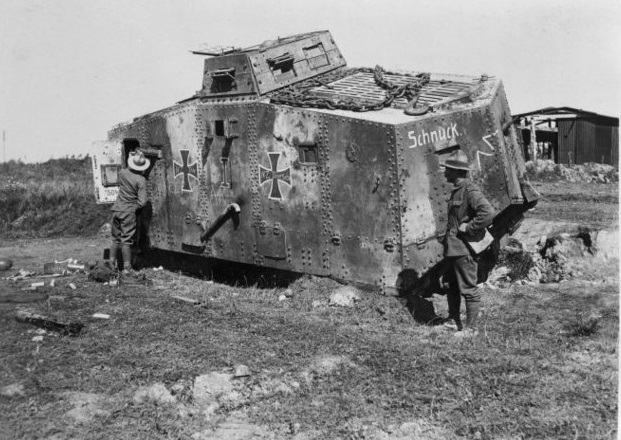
[454, 304]
[114, 255]
[127, 257]
[472, 317]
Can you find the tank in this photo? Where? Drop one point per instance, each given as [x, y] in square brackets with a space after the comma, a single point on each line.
[288, 159]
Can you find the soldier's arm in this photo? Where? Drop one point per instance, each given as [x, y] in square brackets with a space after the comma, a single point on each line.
[483, 209]
[142, 194]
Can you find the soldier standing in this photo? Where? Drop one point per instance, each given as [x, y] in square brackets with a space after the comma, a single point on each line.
[132, 197]
[469, 213]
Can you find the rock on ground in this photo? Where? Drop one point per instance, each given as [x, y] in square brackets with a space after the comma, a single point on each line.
[210, 387]
[346, 296]
[13, 390]
[156, 393]
[87, 406]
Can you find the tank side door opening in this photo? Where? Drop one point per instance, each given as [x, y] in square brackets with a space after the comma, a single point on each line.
[109, 158]
[107, 162]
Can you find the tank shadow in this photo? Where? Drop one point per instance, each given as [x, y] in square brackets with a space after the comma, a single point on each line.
[225, 272]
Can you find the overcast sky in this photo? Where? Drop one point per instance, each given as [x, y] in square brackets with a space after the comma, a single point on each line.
[70, 69]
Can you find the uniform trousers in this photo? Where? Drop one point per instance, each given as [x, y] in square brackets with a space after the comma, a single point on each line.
[123, 236]
[461, 277]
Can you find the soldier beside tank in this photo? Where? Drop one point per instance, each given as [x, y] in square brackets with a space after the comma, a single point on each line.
[469, 214]
[132, 197]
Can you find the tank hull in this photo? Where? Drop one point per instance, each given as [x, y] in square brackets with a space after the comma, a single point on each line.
[357, 196]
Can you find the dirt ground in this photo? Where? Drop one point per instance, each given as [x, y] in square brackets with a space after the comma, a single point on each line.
[233, 361]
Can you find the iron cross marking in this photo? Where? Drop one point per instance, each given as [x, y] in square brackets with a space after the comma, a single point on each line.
[186, 170]
[265, 175]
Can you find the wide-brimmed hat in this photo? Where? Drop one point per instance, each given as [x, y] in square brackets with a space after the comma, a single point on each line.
[458, 161]
[138, 162]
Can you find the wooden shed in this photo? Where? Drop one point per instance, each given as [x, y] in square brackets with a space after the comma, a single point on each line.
[569, 136]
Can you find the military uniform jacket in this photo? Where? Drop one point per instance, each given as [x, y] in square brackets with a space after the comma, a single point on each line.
[466, 205]
[132, 192]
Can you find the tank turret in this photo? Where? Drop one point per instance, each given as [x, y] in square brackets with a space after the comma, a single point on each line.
[272, 65]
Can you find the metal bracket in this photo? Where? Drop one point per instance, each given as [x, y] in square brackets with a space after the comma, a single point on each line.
[336, 238]
[389, 245]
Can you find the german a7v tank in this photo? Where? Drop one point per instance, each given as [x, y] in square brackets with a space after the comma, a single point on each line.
[288, 159]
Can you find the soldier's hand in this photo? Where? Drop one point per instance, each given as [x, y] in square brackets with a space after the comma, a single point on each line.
[462, 227]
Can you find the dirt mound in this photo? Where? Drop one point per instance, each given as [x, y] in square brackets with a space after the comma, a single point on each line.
[547, 170]
[576, 252]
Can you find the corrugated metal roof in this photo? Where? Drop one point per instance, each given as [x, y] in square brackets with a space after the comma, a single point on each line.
[564, 112]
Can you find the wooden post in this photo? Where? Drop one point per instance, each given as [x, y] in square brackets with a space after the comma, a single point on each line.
[533, 140]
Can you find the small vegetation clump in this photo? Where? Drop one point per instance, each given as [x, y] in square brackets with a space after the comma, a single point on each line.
[50, 199]
[584, 325]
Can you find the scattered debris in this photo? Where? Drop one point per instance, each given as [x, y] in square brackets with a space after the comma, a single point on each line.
[102, 273]
[241, 371]
[53, 268]
[547, 170]
[63, 266]
[555, 257]
[282, 298]
[68, 328]
[192, 301]
[101, 316]
[72, 286]
[5, 263]
[22, 274]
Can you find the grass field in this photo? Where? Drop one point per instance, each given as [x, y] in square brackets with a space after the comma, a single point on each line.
[50, 199]
[544, 366]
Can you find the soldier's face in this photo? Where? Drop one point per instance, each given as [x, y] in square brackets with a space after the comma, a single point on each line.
[450, 174]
